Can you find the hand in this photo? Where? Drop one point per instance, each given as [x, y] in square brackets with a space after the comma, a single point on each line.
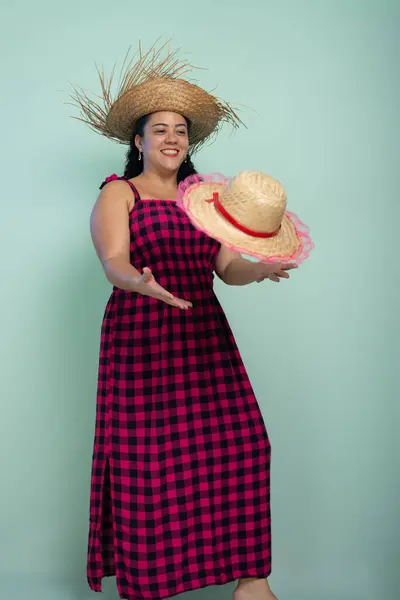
[273, 271]
[147, 285]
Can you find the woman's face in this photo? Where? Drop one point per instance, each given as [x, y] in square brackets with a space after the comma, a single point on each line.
[165, 141]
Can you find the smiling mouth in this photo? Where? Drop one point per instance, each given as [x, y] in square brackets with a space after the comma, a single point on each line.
[170, 152]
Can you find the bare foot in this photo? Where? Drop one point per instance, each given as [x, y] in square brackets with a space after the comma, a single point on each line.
[253, 589]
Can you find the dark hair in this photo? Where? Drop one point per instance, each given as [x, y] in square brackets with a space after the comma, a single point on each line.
[134, 166]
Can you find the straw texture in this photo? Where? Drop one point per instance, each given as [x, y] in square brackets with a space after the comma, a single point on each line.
[149, 83]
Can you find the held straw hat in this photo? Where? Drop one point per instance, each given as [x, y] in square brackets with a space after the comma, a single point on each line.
[150, 84]
[246, 213]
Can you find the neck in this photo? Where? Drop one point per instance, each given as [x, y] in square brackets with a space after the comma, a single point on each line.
[157, 177]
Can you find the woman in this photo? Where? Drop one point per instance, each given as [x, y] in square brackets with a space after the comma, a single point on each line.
[180, 495]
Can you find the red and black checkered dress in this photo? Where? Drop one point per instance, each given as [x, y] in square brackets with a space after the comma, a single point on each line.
[180, 490]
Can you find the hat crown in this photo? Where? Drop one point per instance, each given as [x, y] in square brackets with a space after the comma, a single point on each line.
[256, 200]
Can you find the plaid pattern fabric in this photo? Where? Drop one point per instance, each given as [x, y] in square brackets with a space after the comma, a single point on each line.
[180, 487]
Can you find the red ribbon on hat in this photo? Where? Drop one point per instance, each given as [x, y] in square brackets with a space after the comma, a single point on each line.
[215, 200]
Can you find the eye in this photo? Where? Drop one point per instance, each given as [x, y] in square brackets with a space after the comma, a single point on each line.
[159, 130]
[182, 132]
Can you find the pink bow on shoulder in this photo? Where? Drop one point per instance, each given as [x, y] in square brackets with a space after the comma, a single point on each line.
[112, 177]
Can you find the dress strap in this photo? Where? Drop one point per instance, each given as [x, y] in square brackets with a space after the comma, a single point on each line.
[115, 177]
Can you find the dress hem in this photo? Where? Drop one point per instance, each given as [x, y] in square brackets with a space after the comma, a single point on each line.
[188, 587]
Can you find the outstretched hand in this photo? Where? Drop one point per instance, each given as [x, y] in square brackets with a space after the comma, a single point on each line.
[273, 271]
[148, 286]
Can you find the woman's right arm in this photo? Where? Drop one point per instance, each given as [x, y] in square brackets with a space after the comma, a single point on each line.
[109, 228]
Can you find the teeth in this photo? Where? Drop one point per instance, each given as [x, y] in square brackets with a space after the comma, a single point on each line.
[171, 152]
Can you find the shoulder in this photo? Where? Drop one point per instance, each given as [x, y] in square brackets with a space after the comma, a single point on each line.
[138, 186]
[117, 185]
[117, 190]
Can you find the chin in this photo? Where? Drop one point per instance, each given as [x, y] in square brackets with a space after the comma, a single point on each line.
[171, 165]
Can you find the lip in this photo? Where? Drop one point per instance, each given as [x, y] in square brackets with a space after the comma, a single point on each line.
[171, 150]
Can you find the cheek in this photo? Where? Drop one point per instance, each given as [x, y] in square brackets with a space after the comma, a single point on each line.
[153, 152]
[151, 145]
[184, 143]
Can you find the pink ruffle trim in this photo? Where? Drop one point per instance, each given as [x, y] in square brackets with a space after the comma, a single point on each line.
[112, 177]
[302, 231]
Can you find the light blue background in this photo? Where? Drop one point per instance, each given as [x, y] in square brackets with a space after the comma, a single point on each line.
[322, 82]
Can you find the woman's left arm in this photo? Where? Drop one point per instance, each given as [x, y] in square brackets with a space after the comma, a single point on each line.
[233, 269]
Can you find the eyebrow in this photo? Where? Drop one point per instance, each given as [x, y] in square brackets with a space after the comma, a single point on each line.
[166, 125]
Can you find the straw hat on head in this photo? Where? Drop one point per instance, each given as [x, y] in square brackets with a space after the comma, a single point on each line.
[150, 84]
[248, 214]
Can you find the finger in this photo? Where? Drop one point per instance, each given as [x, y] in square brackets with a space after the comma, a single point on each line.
[274, 277]
[160, 292]
[183, 304]
[146, 275]
[289, 266]
[282, 274]
[173, 301]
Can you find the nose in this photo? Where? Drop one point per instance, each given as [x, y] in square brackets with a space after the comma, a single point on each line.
[172, 137]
